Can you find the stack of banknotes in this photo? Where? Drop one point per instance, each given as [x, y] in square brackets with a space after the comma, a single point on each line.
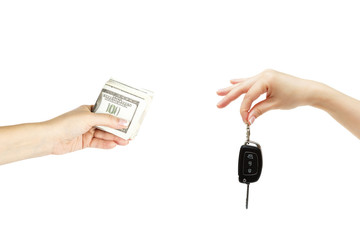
[126, 102]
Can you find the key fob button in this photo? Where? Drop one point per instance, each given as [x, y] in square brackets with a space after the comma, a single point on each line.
[250, 163]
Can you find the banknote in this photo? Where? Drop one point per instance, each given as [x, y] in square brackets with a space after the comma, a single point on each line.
[126, 102]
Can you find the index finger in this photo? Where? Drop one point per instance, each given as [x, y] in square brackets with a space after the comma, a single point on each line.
[252, 94]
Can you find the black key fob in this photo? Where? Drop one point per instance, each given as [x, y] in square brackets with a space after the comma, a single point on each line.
[250, 163]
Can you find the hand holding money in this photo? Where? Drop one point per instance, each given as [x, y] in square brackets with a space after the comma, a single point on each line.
[124, 102]
[75, 130]
[69, 132]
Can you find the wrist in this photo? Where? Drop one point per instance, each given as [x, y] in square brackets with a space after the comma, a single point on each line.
[322, 96]
[46, 139]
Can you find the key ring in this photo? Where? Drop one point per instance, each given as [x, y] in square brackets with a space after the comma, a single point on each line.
[247, 142]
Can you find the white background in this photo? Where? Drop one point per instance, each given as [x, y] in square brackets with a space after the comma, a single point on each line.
[178, 178]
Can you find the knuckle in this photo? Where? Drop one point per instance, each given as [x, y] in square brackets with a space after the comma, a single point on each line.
[269, 74]
[83, 107]
[244, 112]
[110, 118]
[257, 112]
[247, 99]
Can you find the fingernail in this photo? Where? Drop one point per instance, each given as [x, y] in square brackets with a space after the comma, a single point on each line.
[220, 102]
[123, 122]
[122, 142]
[252, 119]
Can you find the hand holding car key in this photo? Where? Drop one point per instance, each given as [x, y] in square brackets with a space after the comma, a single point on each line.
[250, 162]
[283, 91]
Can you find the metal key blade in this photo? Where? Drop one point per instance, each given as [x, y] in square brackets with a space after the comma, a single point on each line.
[247, 195]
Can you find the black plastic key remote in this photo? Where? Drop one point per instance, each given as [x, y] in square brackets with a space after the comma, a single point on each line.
[250, 163]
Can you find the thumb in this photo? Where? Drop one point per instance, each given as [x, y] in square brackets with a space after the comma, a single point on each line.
[107, 120]
[259, 109]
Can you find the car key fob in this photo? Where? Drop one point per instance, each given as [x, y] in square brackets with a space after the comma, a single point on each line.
[250, 163]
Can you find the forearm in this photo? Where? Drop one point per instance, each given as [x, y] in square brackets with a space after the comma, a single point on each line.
[24, 141]
[344, 109]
